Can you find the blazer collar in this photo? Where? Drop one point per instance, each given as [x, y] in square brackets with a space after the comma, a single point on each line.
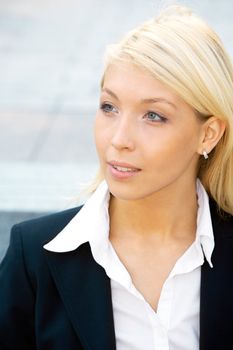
[86, 294]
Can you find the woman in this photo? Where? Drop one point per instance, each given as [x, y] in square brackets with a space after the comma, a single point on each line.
[147, 262]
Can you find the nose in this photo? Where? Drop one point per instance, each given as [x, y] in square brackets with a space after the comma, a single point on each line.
[123, 135]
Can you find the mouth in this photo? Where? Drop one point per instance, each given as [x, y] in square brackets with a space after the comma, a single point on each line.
[122, 170]
[122, 166]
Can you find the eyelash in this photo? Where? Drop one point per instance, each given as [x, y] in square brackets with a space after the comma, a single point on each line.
[162, 118]
[104, 105]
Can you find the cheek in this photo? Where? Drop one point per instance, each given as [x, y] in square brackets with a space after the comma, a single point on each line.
[174, 149]
[100, 135]
[97, 133]
[182, 143]
[187, 140]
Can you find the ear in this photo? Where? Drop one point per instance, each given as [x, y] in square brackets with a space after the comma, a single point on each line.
[212, 131]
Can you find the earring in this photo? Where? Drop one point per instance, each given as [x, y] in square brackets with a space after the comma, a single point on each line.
[205, 154]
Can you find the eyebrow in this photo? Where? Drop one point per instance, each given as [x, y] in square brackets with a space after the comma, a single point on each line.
[144, 100]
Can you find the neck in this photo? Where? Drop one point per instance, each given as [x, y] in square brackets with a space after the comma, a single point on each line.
[168, 214]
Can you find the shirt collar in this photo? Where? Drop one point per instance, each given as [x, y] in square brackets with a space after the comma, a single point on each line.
[91, 224]
[204, 234]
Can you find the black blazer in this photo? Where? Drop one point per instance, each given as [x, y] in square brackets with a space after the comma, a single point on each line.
[59, 301]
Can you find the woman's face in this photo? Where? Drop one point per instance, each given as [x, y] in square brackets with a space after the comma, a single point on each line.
[147, 138]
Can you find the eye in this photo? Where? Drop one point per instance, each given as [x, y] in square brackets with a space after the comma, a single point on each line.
[108, 108]
[155, 117]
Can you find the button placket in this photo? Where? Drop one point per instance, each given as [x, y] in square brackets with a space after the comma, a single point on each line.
[165, 303]
[159, 331]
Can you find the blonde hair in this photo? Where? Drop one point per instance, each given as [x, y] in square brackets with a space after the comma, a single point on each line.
[182, 51]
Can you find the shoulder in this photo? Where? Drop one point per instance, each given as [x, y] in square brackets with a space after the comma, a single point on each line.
[222, 222]
[27, 240]
[37, 232]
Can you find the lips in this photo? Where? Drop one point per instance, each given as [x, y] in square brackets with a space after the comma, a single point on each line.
[122, 171]
[124, 167]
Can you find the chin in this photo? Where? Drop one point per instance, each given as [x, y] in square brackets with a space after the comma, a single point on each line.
[128, 192]
[122, 191]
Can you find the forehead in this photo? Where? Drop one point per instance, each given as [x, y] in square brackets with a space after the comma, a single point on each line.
[134, 86]
[126, 79]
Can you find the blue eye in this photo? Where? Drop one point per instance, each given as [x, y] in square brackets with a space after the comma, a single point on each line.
[108, 108]
[155, 117]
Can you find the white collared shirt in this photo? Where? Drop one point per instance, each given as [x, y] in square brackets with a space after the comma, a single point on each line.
[175, 324]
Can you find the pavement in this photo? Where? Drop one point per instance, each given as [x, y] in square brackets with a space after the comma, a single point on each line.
[51, 55]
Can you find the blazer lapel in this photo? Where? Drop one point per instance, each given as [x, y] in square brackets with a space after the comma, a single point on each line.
[86, 293]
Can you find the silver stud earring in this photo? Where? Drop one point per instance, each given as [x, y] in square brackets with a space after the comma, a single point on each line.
[205, 154]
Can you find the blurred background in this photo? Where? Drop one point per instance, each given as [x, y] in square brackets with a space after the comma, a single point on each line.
[50, 67]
